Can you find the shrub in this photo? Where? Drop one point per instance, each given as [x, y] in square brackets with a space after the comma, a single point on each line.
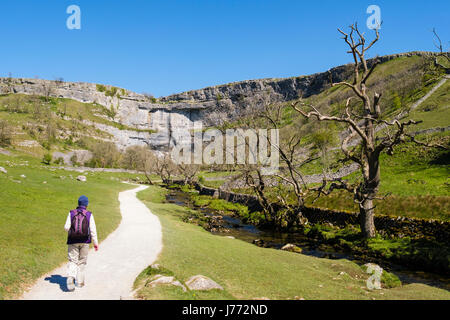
[390, 280]
[74, 160]
[47, 159]
[101, 88]
[111, 92]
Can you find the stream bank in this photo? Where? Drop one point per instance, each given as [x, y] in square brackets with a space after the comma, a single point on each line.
[313, 243]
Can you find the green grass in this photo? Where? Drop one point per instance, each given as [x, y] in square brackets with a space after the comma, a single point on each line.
[417, 179]
[220, 205]
[32, 238]
[29, 115]
[246, 271]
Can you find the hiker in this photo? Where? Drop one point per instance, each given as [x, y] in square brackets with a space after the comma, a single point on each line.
[80, 225]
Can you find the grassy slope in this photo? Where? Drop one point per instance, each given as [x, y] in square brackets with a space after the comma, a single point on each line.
[32, 238]
[247, 271]
[434, 112]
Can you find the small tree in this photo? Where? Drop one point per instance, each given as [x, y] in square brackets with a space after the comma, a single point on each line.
[140, 158]
[105, 155]
[188, 172]
[5, 134]
[47, 89]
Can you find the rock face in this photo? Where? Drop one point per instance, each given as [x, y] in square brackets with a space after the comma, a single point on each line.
[168, 116]
[200, 282]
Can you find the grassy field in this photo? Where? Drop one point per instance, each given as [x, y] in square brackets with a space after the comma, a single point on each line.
[32, 238]
[246, 271]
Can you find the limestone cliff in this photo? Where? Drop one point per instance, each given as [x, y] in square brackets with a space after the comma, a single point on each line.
[167, 115]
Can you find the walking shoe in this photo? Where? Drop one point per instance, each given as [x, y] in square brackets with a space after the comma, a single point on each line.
[71, 283]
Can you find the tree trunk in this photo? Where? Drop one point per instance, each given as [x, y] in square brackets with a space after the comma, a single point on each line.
[366, 215]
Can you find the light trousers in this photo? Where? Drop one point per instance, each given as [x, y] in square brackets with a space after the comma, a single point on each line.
[77, 254]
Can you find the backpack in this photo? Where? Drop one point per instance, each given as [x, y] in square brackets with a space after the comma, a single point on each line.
[79, 228]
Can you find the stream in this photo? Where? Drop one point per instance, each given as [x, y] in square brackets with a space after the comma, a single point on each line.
[234, 227]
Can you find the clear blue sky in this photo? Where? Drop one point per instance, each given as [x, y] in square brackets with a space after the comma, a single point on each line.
[165, 47]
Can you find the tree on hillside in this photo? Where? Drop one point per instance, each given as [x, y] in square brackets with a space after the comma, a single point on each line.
[361, 118]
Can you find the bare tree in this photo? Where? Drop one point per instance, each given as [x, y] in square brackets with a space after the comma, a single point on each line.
[440, 47]
[140, 158]
[47, 89]
[5, 134]
[165, 167]
[361, 120]
[59, 80]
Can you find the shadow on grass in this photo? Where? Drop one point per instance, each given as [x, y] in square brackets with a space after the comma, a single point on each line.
[60, 280]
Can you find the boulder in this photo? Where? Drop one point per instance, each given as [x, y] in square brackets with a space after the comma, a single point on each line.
[200, 282]
[292, 248]
[165, 280]
[258, 242]
[82, 178]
